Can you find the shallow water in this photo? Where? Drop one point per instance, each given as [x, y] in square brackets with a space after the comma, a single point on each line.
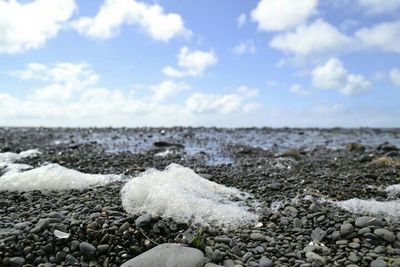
[213, 141]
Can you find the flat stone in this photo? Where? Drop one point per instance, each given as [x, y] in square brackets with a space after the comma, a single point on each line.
[166, 255]
[257, 237]
[385, 234]
[366, 221]
[16, 262]
[318, 234]
[378, 263]
[265, 262]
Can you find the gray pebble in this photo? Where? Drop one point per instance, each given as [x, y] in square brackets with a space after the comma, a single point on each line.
[346, 229]
[378, 263]
[88, 250]
[385, 234]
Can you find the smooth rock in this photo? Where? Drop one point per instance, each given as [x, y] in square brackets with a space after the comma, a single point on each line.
[318, 234]
[40, 226]
[88, 250]
[257, 237]
[265, 262]
[378, 263]
[366, 221]
[385, 234]
[143, 220]
[346, 229]
[16, 262]
[168, 255]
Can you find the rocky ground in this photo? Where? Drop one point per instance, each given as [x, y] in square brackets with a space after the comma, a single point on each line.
[299, 232]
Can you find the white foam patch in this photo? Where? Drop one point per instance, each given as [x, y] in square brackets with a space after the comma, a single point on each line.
[371, 207]
[181, 194]
[52, 177]
[12, 157]
[393, 189]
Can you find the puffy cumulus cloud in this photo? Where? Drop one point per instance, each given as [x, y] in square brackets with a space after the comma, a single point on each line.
[333, 75]
[245, 47]
[65, 79]
[167, 89]
[191, 63]
[150, 17]
[223, 103]
[86, 103]
[278, 15]
[317, 38]
[395, 76]
[383, 36]
[241, 20]
[299, 90]
[379, 6]
[29, 25]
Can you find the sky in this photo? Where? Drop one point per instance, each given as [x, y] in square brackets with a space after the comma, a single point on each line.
[226, 63]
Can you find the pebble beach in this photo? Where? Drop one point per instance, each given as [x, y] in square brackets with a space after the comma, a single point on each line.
[305, 197]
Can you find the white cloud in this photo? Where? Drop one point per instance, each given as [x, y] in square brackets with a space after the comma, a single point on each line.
[383, 36]
[379, 6]
[395, 76]
[241, 20]
[333, 75]
[71, 96]
[65, 79]
[30, 25]
[222, 103]
[278, 15]
[299, 90]
[167, 89]
[150, 17]
[245, 47]
[318, 38]
[191, 63]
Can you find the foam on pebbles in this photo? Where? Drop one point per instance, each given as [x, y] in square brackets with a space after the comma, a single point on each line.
[371, 207]
[50, 177]
[181, 194]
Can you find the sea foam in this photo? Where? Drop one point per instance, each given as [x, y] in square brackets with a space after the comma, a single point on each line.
[179, 193]
[51, 177]
[371, 207]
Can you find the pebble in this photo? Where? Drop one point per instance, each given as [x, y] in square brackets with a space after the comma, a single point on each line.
[385, 234]
[17, 262]
[346, 229]
[257, 237]
[265, 262]
[143, 220]
[40, 226]
[88, 250]
[217, 256]
[318, 234]
[378, 263]
[175, 254]
[366, 221]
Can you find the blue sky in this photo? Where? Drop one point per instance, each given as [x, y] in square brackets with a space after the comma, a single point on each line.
[302, 63]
